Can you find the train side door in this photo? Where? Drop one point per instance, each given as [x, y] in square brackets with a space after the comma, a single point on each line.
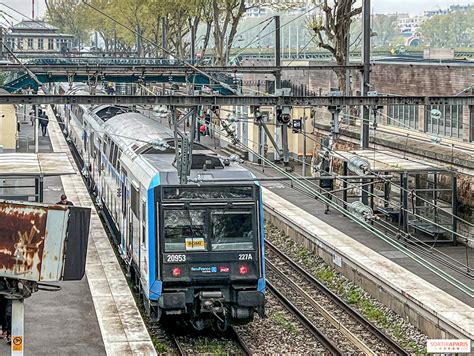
[143, 257]
[124, 229]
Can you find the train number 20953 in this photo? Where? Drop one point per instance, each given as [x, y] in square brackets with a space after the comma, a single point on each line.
[176, 258]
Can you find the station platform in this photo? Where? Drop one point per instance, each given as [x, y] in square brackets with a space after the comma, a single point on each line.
[94, 316]
[424, 298]
[338, 221]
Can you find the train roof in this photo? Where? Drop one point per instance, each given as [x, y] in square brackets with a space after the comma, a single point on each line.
[135, 134]
[134, 130]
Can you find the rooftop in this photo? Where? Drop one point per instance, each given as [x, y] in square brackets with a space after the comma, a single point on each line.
[37, 25]
[35, 164]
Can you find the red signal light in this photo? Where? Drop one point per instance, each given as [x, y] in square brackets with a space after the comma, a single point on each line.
[243, 270]
[176, 272]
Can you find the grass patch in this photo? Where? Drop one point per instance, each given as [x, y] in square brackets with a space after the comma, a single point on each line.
[159, 347]
[280, 319]
[372, 312]
[209, 346]
[325, 274]
[353, 296]
[397, 331]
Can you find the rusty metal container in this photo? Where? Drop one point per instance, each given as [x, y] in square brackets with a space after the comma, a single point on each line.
[36, 239]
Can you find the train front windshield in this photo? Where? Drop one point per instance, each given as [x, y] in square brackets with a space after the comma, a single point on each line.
[209, 229]
[209, 219]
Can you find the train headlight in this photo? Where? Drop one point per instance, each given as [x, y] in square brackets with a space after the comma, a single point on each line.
[243, 270]
[176, 271]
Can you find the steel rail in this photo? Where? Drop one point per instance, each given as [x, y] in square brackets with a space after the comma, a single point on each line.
[236, 337]
[338, 301]
[360, 344]
[313, 329]
[177, 345]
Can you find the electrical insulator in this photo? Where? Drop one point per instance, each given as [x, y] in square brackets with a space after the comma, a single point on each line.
[359, 165]
[159, 144]
[360, 210]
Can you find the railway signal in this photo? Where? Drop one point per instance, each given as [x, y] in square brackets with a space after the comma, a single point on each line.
[297, 125]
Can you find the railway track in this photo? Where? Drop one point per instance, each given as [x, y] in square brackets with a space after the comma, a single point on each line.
[348, 330]
[308, 324]
[183, 344]
[234, 334]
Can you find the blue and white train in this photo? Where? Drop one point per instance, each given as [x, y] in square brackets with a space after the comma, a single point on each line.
[195, 251]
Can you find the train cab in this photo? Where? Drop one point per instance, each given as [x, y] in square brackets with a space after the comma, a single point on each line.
[211, 262]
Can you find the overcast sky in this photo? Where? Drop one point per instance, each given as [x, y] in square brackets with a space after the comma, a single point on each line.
[378, 6]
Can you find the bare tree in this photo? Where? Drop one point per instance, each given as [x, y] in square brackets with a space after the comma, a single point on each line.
[226, 17]
[331, 27]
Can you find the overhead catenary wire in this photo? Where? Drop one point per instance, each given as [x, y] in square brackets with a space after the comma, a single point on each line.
[274, 30]
[442, 274]
[186, 63]
[151, 142]
[301, 182]
[414, 194]
[466, 238]
[445, 259]
[383, 179]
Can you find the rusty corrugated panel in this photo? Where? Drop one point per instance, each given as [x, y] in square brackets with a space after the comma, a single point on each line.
[36, 239]
[22, 235]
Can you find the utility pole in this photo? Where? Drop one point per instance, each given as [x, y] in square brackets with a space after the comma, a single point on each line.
[96, 41]
[277, 53]
[365, 88]
[366, 72]
[138, 41]
[347, 92]
[164, 36]
[289, 42]
[1, 41]
[36, 129]
[193, 42]
[304, 142]
[278, 91]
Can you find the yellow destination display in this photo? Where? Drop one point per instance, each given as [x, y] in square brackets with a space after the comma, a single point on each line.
[195, 244]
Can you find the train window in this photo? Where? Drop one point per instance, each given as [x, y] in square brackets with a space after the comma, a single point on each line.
[134, 200]
[113, 154]
[156, 151]
[232, 230]
[184, 230]
[236, 192]
[99, 163]
[107, 147]
[210, 162]
[144, 222]
[91, 144]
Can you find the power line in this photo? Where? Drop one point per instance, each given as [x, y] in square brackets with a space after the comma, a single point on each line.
[406, 190]
[186, 63]
[274, 30]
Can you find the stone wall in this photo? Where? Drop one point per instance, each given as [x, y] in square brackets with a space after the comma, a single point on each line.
[388, 78]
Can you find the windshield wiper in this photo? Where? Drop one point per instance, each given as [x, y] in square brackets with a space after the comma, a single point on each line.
[191, 225]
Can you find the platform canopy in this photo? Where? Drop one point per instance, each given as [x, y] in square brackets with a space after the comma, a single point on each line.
[35, 164]
[386, 161]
